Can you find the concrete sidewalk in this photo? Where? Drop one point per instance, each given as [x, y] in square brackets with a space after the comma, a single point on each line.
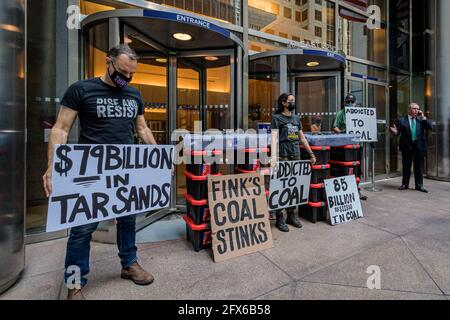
[405, 233]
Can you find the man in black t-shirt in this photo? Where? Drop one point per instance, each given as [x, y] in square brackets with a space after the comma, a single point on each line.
[110, 112]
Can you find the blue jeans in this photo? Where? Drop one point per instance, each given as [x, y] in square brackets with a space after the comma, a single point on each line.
[79, 246]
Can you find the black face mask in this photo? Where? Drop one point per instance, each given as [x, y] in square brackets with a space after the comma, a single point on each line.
[291, 106]
[120, 80]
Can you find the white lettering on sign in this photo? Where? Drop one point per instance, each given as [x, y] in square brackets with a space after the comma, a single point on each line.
[191, 20]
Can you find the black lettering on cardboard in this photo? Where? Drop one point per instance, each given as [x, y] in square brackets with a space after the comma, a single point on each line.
[98, 152]
[112, 154]
[233, 205]
[63, 200]
[81, 206]
[166, 195]
[222, 246]
[263, 236]
[216, 208]
[84, 159]
[99, 200]
[119, 195]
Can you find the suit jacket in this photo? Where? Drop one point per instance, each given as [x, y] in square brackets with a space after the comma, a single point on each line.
[404, 130]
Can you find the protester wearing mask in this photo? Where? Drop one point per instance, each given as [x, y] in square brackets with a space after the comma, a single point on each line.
[290, 134]
[109, 111]
[339, 122]
[339, 125]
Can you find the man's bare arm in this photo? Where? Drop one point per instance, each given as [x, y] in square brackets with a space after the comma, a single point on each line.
[58, 135]
[143, 131]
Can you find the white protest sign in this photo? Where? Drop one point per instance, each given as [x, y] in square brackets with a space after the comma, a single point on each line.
[362, 122]
[343, 199]
[92, 183]
[289, 184]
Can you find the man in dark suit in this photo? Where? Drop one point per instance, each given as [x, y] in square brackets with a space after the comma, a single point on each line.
[413, 144]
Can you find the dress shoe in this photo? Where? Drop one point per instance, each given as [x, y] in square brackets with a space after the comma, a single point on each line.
[403, 187]
[137, 274]
[75, 294]
[421, 189]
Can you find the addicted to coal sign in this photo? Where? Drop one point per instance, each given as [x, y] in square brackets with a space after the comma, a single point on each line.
[239, 215]
[289, 184]
[362, 122]
[92, 183]
[343, 199]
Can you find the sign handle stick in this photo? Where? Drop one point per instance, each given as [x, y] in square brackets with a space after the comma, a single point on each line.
[373, 188]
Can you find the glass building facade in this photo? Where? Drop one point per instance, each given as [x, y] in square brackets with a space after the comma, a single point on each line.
[402, 59]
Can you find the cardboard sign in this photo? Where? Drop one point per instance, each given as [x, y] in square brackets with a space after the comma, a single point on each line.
[343, 199]
[92, 183]
[239, 216]
[362, 122]
[289, 184]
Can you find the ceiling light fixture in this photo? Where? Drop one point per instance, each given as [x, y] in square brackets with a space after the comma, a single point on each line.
[312, 64]
[210, 58]
[182, 36]
[162, 60]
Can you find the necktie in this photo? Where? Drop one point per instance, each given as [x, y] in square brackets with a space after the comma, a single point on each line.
[413, 129]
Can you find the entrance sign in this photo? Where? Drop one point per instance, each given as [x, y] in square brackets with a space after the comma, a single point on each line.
[186, 19]
[239, 216]
[343, 199]
[362, 122]
[289, 184]
[93, 183]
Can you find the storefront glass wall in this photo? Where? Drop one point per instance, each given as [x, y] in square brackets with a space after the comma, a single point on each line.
[46, 82]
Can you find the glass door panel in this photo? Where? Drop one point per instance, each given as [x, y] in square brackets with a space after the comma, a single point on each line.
[189, 112]
[151, 80]
[317, 100]
[218, 97]
[356, 87]
[376, 98]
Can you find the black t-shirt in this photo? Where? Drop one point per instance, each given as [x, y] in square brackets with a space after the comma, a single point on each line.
[288, 135]
[107, 114]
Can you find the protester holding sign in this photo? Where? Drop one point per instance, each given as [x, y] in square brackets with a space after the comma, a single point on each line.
[290, 135]
[413, 144]
[109, 112]
[339, 124]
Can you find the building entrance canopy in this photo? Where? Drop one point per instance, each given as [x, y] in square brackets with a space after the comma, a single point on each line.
[162, 28]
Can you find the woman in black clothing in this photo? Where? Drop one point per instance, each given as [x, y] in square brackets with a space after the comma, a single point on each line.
[290, 134]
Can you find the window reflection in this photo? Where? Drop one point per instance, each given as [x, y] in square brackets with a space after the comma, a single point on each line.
[356, 40]
[264, 89]
[300, 20]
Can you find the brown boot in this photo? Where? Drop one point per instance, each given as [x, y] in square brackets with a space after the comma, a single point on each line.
[136, 274]
[75, 294]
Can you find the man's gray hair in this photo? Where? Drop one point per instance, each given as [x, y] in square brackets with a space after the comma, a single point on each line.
[119, 49]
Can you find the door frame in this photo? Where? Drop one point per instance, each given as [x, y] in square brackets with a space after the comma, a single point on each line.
[366, 81]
